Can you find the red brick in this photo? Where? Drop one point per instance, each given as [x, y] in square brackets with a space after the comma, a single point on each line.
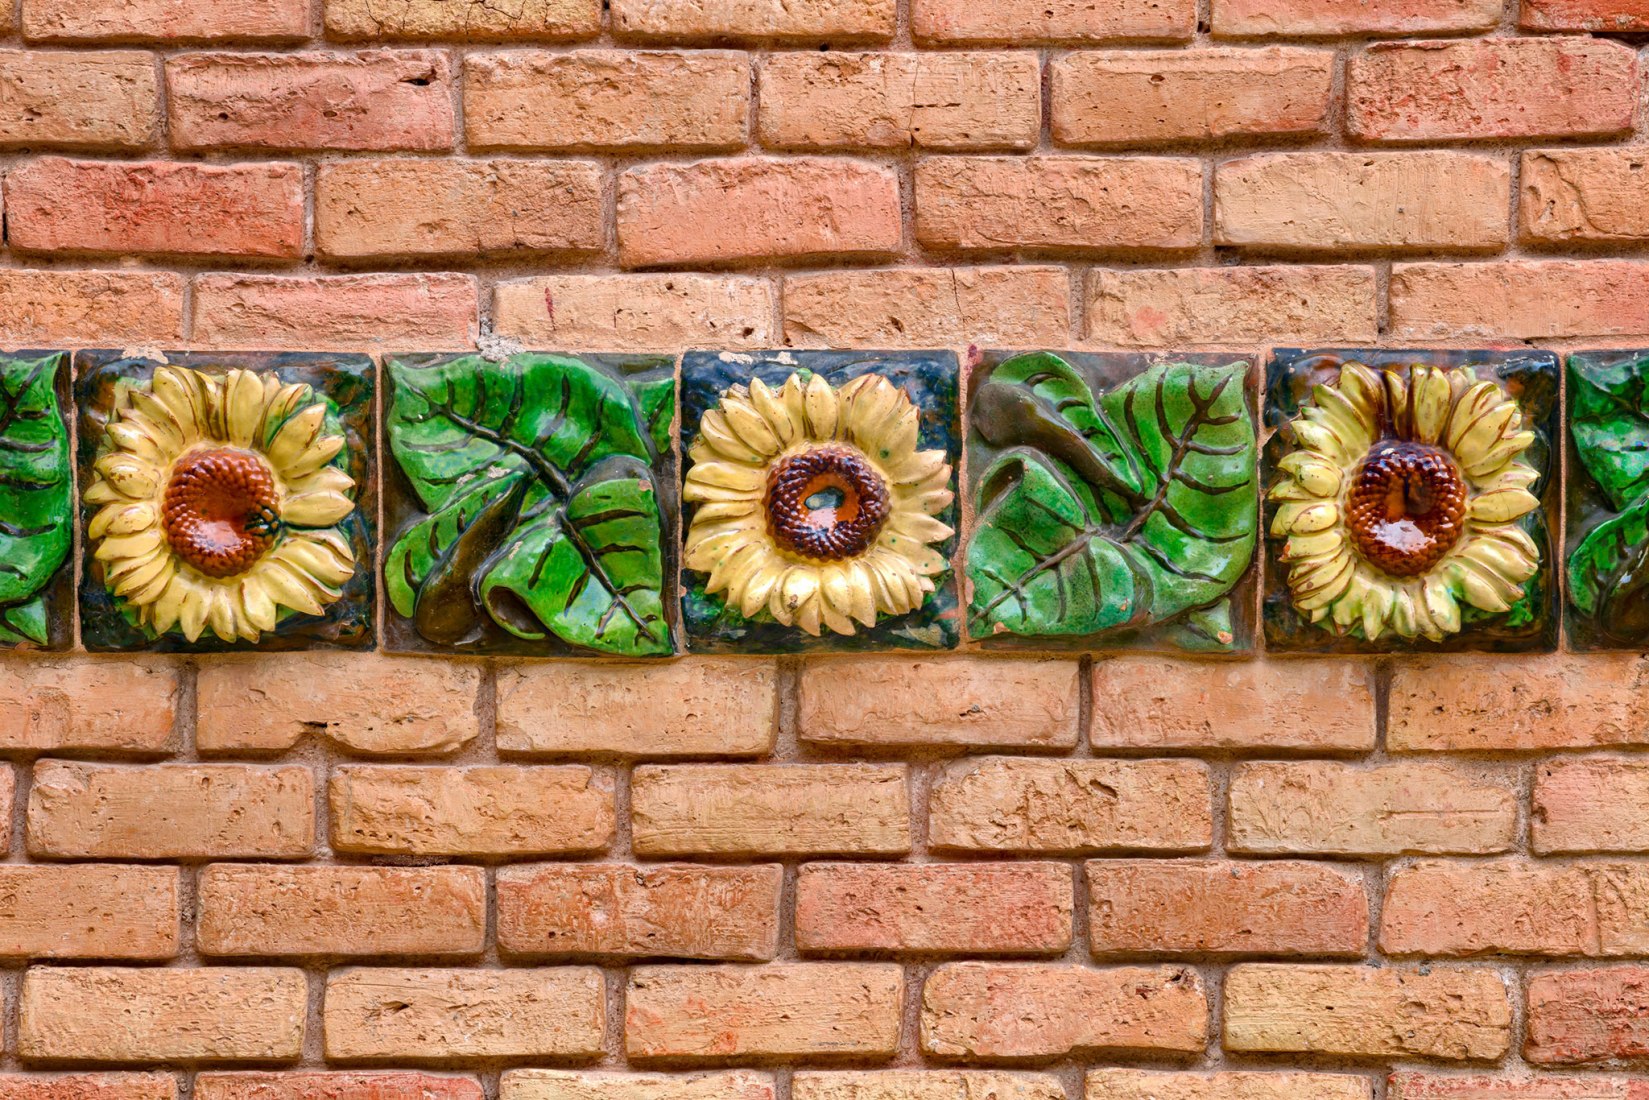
[335, 1086]
[1419, 1086]
[1519, 299]
[165, 21]
[1021, 306]
[680, 911]
[115, 707]
[253, 211]
[1325, 18]
[553, 1084]
[938, 908]
[1585, 195]
[124, 309]
[1591, 804]
[1586, 1017]
[991, 1011]
[88, 911]
[60, 100]
[1157, 97]
[897, 101]
[8, 800]
[466, 21]
[1176, 906]
[1607, 16]
[1078, 22]
[663, 313]
[776, 20]
[1491, 88]
[756, 208]
[399, 312]
[1299, 304]
[90, 1086]
[1140, 1084]
[926, 1084]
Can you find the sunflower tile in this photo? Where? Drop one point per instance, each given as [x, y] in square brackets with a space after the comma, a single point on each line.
[227, 501]
[1410, 501]
[36, 490]
[530, 505]
[1607, 569]
[819, 497]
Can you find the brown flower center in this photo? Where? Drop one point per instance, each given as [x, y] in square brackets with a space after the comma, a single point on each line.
[1406, 507]
[827, 503]
[220, 511]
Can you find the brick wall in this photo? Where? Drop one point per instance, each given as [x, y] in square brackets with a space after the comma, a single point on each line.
[961, 878]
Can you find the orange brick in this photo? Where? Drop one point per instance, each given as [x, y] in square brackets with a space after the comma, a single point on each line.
[636, 312]
[974, 702]
[124, 309]
[88, 911]
[1325, 808]
[1490, 88]
[1176, 906]
[375, 209]
[780, 1010]
[897, 101]
[682, 911]
[1078, 22]
[1004, 804]
[170, 811]
[1585, 195]
[1355, 1011]
[52, 100]
[123, 706]
[1104, 204]
[552, 1084]
[607, 99]
[1419, 1086]
[1161, 703]
[253, 211]
[1588, 1017]
[1140, 1084]
[1322, 18]
[252, 910]
[776, 20]
[756, 208]
[926, 1084]
[477, 811]
[147, 1015]
[335, 1086]
[90, 1086]
[1325, 201]
[990, 1011]
[443, 20]
[8, 799]
[1591, 804]
[1156, 97]
[1021, 306]
[165, 21]
[379, 312]
[1520, 299]
[1607, 16]
[1300, 304]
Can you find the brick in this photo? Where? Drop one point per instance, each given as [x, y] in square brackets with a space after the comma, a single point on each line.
[88, 911]
[251, 910]
[762, 809]
[844, 100]
[1141, 1084]
[1326, 201]
[982, 703]
[1077, 22]
[1591, 804]
[335, 1086]
[1157, 97]
[756, 208]
[1300, 304]
[636, 312]
[990, 1011]
[466, 21]
[123, 706]
[1520, 299]
[1223, 907]
[90, 1086]
[682, 912]
[607, 100]
[165, 21]
[375, 209]
[1160, 703]
[774, 20]
[475, 811]
[1315, 18]
[52, 100]
[551, 1084]
[704, 707]
[1021, 306]
[937, 908]
[148, 1015]
[1607, 16]
[1357, 1011]
[926, 1084]
[403, 312]
[1561, 701]
[437, 1016]
[1103, 204]
[1586, 1017]
[382, 101]
[253, 211]
[119, 308]
[1004, 804]
[781, 1010]
[170, 811]
[371, 704]
[1420, 1086]
[1587, 195]
[1490, 88]
[8, 799]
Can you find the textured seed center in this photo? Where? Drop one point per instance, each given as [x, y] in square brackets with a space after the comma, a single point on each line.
[1406, 507]
[220, 510]
[827, 503]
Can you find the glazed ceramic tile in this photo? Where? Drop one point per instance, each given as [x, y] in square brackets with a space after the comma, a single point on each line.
[36, 489]
[1115, 501]
[1408, 501]
[227, 501]
[820, 501]
[1607, 570]
[532, 505]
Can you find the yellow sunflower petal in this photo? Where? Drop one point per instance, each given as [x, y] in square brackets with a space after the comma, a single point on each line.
[1300, 547]
[1402, 615]
[1313, 518]
[863, 592]
[130, 581]
[242, 408]
[1481, 587]
[220, 614]
[158, 421]
[122, 517]
[321, 452]
[730, 475]
[1502, 505]
[194, 609]
[128, 475]
[1335, 410]
[786, 430]
[749, 425]
[919, 526]
[1499, 455]
[732, 569]
[797, 587]
[319, 509]
[326, 479]
[1320, 438]
[1328, 589]
[184, 396]
[871, 402]
[923, 559]
[290, 587]
[1504, 559]
[1376, 609]
[141, 595]
[1516, 475]
[823, 409]
[1348, 609]
[917, 468]
[136, 439]
[1440, 603]
[759, 587]
[1478, 400]
[1485, 433]
[130, 546]
[718, 438]
[1432, 397]
[836, 606]
[294, 439]
[313, 553]
[1397, 410]
[164, 610]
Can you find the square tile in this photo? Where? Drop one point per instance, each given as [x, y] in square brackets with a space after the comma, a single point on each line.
[531, 505]
[819, 498]
[36, 502]
[228, 501]
[1607, 566]
[1410, 501]
[1115, 502]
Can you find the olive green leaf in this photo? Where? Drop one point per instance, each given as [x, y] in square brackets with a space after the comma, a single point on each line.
[1609, 573]
[1610, 424]
[34, 493]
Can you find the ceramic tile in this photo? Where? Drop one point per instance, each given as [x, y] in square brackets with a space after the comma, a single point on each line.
[1410, 501]
[531, 505]
[227, 500]
[36, 501]
[820, 501]
[1606, 571]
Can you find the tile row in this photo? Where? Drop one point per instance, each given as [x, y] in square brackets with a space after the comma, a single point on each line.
[775, 502]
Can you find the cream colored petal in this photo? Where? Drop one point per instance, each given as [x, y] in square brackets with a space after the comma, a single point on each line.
[749, 426]
[1516, 475]
[1312, 573]
[1519, 541]
[184, 397]
[129, 476]
[798, 586]
[1432, 398]
[135, 439]
[1328, 590]
[153, 567]
[733, 567]
[1402, 615]
[311, 554]
[1499, 455]
[1311, 546]
[280, 403]
[1503, 558]
[1335, 410]
[1479, 399]
[326, 479]
[117, 570]
[164, 610]
[130, 546]
[220, 614]
[242, 408]
[1347, 611]
[862, 592]
[1440, 603]
[158, 421]
[195, 607]
[786, 429]
[923, 559]
[257, 606]
[717, 511]
[717, 439]
[1484, 434]
[1376, 609]
[122, 517]
[1319, 478]
[695, 491]
[1363, 388]
[289, 586]
[918, 526]
[1319, 438]
[142, 595]
[759, 588]
[1397, 409]
[1312, 518]
[871, 404]
[1481, 587]
[823, 410]
[836, 603]
[917, 468]
[1424, 624]
[1502, 505]
[729, 475]
[294, 439]
[322, 509]
[324, 450]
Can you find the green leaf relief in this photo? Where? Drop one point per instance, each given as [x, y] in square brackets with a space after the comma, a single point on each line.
[34, 493]
[1608, 570]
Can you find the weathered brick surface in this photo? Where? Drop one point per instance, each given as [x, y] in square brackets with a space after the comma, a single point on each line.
[89, 1086]
[1584, 195]
[1591, 804]
[1607, 16]
[1585, 1017]
[834, 20]
[113, 707]
[388, 312]
[1314, 18]
[1135, 1084]
[557, 1084]
[1519, 299]
[165, 21]
[1021, 306]
[933, 1084]
[462, 21]
[43, 308]
[88, 911]
[1525, 1086]
[103, 100]
[1065, 21]
[662, 313]
[305, 1085]
[1299, 304]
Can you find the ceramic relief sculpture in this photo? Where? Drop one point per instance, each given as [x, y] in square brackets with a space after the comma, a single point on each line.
[225, 500]
[1608, 500]
[532, 505]
[1115, 501]
[821, 501]
[1406, 500]
[35, 501]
